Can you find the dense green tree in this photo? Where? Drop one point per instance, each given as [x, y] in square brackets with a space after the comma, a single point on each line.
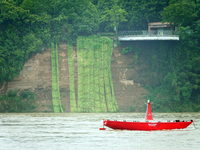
[182, 12]
[113, 17]
[28, 25]
[17, 37]
[110, 15]
[141, 12]
[71, 18]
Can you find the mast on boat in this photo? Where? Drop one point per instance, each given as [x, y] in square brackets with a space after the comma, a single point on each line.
[148, 112]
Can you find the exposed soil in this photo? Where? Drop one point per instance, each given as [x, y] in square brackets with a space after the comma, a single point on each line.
[36, 76]
[128, 92]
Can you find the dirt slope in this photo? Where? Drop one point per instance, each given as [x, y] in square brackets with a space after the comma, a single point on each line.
[36, 76]
[128, 91]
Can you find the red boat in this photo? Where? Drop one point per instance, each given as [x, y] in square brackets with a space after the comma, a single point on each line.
[148, 125]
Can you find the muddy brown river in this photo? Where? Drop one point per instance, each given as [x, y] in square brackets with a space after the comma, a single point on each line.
[80, 131]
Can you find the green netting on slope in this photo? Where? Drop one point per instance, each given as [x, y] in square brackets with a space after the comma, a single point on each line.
[73, 106]
[95, 89]
[57, 106]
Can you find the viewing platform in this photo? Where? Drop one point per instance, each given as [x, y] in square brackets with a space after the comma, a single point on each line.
[148, 35]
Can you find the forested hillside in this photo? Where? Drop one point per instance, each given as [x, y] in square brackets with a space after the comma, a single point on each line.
[28, 27]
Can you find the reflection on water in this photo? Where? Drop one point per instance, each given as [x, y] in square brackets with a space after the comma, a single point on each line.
[73, 131]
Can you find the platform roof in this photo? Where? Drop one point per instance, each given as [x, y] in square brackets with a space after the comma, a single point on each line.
[143, 38]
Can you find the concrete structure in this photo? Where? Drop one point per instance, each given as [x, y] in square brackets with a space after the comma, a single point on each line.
[156, 31]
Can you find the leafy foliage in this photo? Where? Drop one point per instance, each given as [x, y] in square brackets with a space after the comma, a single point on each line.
[17, 38]
[11, 102]
[28, 25]
[140, 12]
[112, 17]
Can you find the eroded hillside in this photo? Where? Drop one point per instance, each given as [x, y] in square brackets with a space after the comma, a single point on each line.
[36, 76]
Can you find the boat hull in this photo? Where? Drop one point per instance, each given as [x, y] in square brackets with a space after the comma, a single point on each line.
[146, 126]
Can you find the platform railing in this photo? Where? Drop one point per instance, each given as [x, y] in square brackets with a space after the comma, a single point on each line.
[148, 33]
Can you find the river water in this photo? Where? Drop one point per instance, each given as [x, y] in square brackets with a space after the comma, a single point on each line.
[80, 131]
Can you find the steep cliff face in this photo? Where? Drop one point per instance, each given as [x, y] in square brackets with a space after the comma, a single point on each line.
[128, 91]
[36, 76]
